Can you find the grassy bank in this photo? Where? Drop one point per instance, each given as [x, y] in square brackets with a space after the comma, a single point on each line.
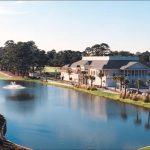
[3, 76]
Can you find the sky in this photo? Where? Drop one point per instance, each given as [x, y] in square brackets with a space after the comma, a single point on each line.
[75, 25]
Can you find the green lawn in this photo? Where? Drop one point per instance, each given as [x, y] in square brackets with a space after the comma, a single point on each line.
[2, 76]
[52, 69]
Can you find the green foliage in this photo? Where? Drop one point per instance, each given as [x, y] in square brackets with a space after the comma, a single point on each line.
[51, 69]
[100, 75]
[86, 87]
[91, 78]
[97, 50]
[121, 53]
[62, 57]
[120, 79]
[69, 71]
[145, 57]
[22, 57]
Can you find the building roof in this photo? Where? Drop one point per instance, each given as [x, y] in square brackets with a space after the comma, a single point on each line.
[66, 66]
[135, 65]
[118, 57]
[109, 64]
[78, 63]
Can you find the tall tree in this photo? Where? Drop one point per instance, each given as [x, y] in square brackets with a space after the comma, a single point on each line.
[69, 71]
[115, 79]
[122, 53]
[120, 79]
[138, 83]
[102, 49]
[50, 57]
[91, 78]
[145, 58]
[101, 75]
[8, 60]
[42, 60]
[88, 52]
[125, 83]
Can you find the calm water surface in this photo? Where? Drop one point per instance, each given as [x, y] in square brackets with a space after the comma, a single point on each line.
[48, 117]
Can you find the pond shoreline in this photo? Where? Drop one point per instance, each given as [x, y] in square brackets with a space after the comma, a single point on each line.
[4, 143]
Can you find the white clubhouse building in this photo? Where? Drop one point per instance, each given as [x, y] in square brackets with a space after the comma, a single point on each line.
[129, 66]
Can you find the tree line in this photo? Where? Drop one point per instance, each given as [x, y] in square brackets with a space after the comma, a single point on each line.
[22, 57]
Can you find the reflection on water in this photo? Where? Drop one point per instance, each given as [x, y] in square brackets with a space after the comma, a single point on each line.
[47, 117]
[14, 95]
[147, 124]
[123, 112]
[137, 120]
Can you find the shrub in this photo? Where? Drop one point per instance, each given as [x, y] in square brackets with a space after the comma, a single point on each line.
[76, 85]
[131, 95]
[138, 96]
[124, 95]
[134, 97]
[128, 94]
[145, 98]
[83, 86]
[88, 88]
[121, 93]
[93, 88]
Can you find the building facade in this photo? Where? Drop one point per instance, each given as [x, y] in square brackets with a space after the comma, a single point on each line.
[104, 68]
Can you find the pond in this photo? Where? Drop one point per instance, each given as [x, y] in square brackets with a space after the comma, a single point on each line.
[48, 117]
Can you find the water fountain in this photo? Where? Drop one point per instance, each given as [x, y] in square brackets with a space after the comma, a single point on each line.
[13, 85]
